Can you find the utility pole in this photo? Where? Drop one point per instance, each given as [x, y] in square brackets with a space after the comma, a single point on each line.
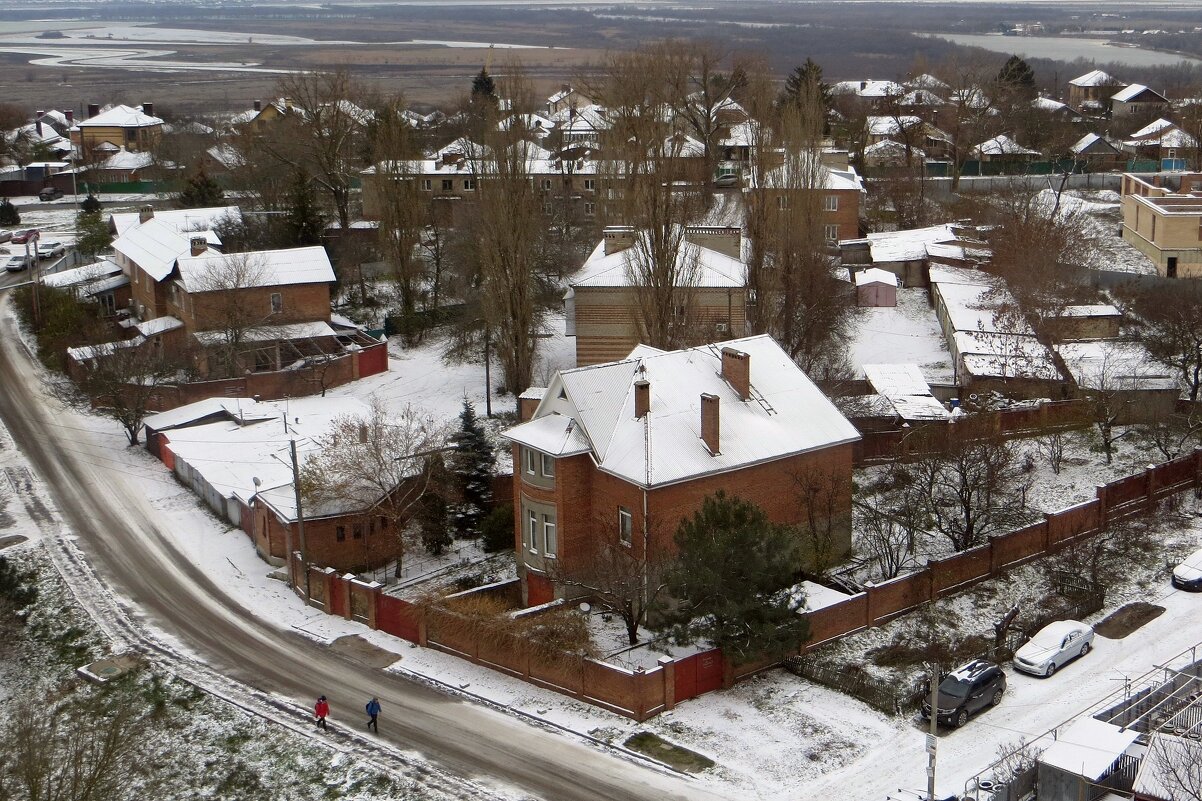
[932, 738]
[300, 519]
[487, 374]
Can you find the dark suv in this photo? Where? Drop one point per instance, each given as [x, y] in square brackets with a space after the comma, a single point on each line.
[50, 193]
[967, 690]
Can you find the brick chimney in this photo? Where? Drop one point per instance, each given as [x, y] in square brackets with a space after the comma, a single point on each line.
[69, 113]
[145, 213]
[726, 239]
[148, 109]
[642, 398]
[709, 422]
[736, 371]
[93, 110]
[38, 122]
[199, 245]
[617, 238]
[258, 105]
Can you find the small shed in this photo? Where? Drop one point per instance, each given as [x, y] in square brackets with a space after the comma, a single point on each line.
[1092, 321]
[1083, 757]
[528, 401]
[875, 288]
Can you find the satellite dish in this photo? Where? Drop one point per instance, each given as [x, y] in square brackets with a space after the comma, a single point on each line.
[256, 481]
[585, 607]
[973, 397]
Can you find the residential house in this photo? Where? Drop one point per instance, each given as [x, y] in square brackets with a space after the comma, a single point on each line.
[235, 453]
[1097, 153]
[1002, 148]
[131, 128]
[875, 287]
[602, 301]
[1137, 101]
[869, 93]
[102, 282]
[617, 454]
[888, 153]
[789, 186]
[1164, 226]
[126, 166]
[1089, 92]
[568, 97]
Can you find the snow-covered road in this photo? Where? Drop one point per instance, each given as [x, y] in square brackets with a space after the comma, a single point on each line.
[463, 749]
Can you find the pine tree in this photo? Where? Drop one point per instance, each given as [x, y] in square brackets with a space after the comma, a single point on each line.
[200, 191]
[1017, 74]
[484, 88]
[94, 235]
[799, 81]
[432, 514]
[90, 204]
[304, 220]
[472, 464]
[9, 214]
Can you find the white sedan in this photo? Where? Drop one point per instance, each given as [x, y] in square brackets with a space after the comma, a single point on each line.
[1053, 646]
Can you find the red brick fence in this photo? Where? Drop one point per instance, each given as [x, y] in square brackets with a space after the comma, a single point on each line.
[641, 694]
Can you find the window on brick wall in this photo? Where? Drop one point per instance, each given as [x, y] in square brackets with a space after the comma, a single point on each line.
[532, 530]
[590, 184]
[448, 185]
[340, 533]
[427, 185]
[782, 202]
[357, 531]
[550, 544]
[832, 233]
[830, 202]
[548, 466]
[277, 302]
[469, 184]
[530, 460]
[625, 525]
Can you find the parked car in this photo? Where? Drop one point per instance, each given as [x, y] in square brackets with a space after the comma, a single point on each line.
[50, 249]
[1053, 646]
[5, 236]
[16, 264]
[1188, 574]
[50, 193]
[23, 236]
[966, 690]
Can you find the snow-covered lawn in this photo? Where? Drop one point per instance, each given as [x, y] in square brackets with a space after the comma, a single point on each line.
[908, 333]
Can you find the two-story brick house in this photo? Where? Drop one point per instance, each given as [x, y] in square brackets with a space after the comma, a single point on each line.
[120, 127]
[792, 185]
[619, 453]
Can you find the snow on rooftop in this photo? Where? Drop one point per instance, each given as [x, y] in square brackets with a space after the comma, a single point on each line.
[270, 333]
[875, 275]
[82, 354]
[127, 160]
[1088, 748]
[555, 434]
[180, 220]
[1002, 145]
[1108, 364]
[533, 393]
[819, 596]
[1162, 769]
[159, 325]
[1154, 127]
[906, 390]
[1133, 91]
[155, 245]
[121, 116]
[309, 265]
[1091, 310]
[710, 268]
[665, 446]
[80, 275]
[909, 245]
[1095, 78]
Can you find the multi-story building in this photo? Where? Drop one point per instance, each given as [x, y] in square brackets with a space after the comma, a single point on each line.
[1164, 225]
[103, 133]
[617, 454]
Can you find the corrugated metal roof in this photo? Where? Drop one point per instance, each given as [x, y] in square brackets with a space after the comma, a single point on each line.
[555, 434]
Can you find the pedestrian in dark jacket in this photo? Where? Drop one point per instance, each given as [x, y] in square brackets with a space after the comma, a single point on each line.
[322, 710]
[373, 710]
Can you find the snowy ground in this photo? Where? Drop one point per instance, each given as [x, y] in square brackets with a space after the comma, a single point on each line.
[906, 334]
[1104, 222]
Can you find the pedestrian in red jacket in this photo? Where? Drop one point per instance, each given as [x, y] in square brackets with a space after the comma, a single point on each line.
[322, 710]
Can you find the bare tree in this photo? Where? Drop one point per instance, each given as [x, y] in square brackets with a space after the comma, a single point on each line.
[372, 466]
[323, 132]
[969, 117]
[620, 580]
[1178, 766]
[1051, 447]
[970, 488]
[403, 206]
[1170, 318]
[1111, 385]
[822, 494]
[123, 381]
[226, 311]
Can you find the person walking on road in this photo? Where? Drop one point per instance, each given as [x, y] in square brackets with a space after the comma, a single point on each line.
[373, 710]
[322, 710]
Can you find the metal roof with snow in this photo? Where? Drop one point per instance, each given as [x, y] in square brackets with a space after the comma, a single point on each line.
[696, 265]
[288, 267]
[875, 275]
[121, 116]
[180, 220]
[1137, 91]
[1095, 78]
[1088, 748]
[786, 414]
[155, 245]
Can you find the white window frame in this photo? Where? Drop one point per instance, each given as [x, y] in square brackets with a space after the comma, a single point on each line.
[782, 202]
[547, 460]
[529, 454]
[550, 537]
[831, 232]
[625, 526]
[590, 209]
[546, 184]
[469, 184]
[830, 202]
[532, 530]
[590, 184]
[427, 185]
